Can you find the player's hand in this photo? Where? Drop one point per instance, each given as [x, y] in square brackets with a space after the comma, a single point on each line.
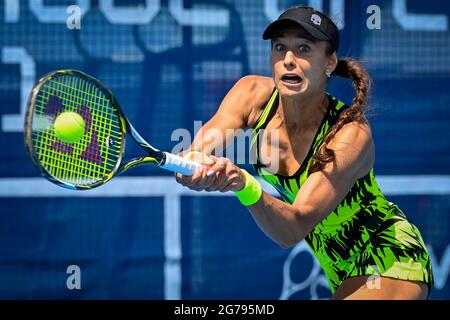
[199, 180]
[227, 176]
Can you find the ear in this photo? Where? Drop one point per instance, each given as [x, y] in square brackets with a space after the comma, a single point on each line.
[331, 63]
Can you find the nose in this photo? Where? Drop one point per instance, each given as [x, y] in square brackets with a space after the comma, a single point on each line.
[289, 60]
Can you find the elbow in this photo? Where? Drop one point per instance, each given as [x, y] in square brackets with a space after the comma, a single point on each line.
[285, 245]
[288, 243]
[294, 236]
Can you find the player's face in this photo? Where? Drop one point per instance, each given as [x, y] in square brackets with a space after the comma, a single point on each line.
[298, 63]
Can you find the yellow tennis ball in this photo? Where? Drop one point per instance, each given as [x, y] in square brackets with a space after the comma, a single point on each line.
[69, 127]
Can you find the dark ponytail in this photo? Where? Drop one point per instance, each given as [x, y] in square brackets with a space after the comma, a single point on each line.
[347, 68]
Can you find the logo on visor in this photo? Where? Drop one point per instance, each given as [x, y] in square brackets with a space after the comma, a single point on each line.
[316, 19]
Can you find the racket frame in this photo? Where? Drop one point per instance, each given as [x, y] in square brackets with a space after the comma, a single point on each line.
[153, 156]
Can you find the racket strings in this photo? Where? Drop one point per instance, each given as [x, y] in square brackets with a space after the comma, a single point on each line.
[92, 158]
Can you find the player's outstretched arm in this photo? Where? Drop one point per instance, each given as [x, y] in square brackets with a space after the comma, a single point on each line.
[239, 109]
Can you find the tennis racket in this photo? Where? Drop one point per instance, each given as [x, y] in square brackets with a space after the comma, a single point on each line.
[97, 156]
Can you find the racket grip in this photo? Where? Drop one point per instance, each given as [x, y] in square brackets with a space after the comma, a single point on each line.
[181, 165]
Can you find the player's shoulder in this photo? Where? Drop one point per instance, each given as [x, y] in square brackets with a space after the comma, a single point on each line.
[356, 131]
[256, 91]
[256, 82]
[354, 142]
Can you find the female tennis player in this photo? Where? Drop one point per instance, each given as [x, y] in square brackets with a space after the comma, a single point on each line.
[325, 172]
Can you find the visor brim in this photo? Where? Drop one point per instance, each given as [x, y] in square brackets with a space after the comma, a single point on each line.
[275, 26]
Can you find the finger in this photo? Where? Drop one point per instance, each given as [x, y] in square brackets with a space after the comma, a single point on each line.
[232, 187]
[207, 181]
[204, 182]
[195, 178]
[219, 166]
[226, 176]
[236, 178]
[195, 188]
[208, 160]
[182, 179]
[220, 179]
[211, 188]
[197, 181]
[228, 184]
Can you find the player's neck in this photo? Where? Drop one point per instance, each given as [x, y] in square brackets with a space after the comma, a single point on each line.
[304, 113]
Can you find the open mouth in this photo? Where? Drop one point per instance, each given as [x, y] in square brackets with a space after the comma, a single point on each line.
[292, 78]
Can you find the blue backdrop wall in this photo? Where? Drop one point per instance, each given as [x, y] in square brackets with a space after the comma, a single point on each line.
[170, 62]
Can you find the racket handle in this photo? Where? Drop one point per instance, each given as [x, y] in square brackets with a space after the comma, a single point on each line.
[180, 165]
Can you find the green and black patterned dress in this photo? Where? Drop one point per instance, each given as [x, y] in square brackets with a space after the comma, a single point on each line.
[366, 234]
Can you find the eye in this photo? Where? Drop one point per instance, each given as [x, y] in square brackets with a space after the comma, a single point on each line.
[278, 47]
[304, 48]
